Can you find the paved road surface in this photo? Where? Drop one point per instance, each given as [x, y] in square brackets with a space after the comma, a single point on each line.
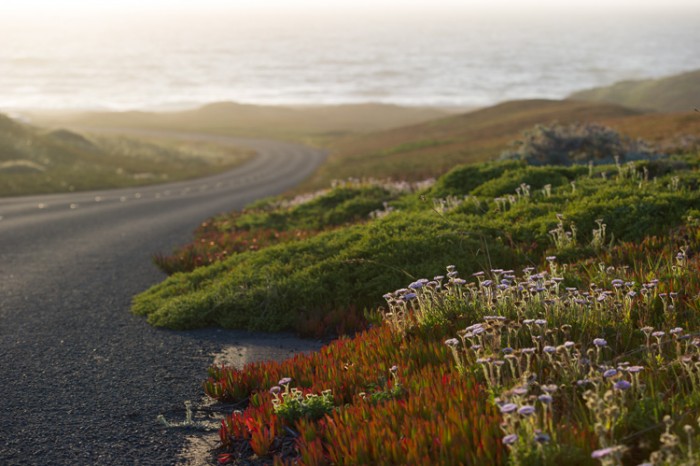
[81, 379]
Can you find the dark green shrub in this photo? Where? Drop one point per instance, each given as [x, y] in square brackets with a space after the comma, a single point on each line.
[576, 143]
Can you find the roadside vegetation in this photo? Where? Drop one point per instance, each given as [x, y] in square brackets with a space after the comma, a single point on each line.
[504, 313]
[37, 161]
[301, 264]
[569, 333]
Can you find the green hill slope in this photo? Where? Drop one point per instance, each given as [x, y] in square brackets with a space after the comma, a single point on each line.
[679, 93]
[35, 160]
[432, 148]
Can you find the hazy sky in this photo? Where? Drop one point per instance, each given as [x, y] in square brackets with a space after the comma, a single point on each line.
[165, 5]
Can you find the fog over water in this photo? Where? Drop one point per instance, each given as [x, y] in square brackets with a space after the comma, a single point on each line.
[467, 59]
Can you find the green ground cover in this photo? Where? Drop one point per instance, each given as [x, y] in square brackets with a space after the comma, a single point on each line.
[476, 216]
[561, 325]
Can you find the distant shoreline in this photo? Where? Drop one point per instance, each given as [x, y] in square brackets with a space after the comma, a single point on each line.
[20, 113]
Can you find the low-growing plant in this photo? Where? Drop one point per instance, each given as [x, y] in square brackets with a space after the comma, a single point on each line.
[307, 281]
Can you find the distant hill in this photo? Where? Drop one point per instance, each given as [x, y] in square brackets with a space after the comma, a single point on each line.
[34, 160]
[256, 120]
[430, 149]
[679, 93]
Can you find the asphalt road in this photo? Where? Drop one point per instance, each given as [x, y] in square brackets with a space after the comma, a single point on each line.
[81, 379]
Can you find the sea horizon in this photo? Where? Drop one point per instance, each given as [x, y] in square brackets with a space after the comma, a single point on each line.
[459, 61]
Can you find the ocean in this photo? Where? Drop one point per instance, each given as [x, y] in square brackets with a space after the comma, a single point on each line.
[460, 60]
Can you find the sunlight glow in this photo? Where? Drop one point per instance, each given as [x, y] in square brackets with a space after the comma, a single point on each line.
[36, 6]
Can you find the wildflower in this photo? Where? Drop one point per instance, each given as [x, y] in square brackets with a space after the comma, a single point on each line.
[519, 391]
[500, 318]
[508, 408]
[658, 334]
[551, 258]
[526, 410]
[528, 321]
[285, 381]
[676, 331]
[603, 452]
[409, 296]
[487, 283]
[600, 342]
[622, 385]
[635, 369]
[569, 344]
[275, 390]
[416, 285]
[453, 342]
[451, 268]
[609, 373]
[546, 399]
[459, 281]
[394, 369]
[549, 349]
[507, 350]
[541, 322]
[529, 350]
[510, 439]
[549, 388]
[541, 437]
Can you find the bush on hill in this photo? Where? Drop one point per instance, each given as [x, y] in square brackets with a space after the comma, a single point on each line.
[576, 143]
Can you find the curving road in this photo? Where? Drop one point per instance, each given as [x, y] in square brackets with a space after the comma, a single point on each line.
[81, 379]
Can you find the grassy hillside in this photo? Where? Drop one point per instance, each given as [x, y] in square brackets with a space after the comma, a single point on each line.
[431, 149]
[34, 160]
[254, 120]
[679, 93]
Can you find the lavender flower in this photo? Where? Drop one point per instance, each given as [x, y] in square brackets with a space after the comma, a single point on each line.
[622, 385]
[603, 452]
[510, 439]
[453, 342]
[285, 381]
[600, 342]
[526, 410]
[508, 408]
